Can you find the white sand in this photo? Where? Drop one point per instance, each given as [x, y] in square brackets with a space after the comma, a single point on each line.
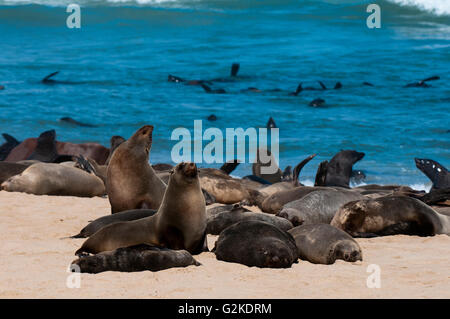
[34, 262]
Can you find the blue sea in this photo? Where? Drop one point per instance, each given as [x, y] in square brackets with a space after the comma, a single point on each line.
[117, 64]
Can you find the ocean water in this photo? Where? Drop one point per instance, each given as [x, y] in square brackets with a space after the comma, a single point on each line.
[119, 60]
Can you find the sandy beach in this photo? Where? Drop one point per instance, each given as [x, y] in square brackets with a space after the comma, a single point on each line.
[34, 262]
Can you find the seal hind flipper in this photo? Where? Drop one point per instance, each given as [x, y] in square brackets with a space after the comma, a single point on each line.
[322, 85]
[229, 166]
[299, 167]
[206, 88]
[271, 123]
[10, 139]
[47, 79]
[321, 174]
[234, 69]
[431, 78]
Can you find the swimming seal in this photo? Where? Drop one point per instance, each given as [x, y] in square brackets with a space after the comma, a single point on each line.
[324, 244]
[136, 258]
[180, 222]
[256, 243]
[131, 183]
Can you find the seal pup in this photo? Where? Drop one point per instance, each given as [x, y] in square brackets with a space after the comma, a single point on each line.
[216, 223]
[135, 258]
[338, 171]
[55, 179]
[323, 244]
[7, 147]
[180, 222]
[390, 215]
[256, 243]
[100, 222]
[131, 183]
[317, 207]
[422, 83]
[437, 173]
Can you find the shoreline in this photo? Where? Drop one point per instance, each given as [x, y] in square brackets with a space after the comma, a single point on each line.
[34, 262]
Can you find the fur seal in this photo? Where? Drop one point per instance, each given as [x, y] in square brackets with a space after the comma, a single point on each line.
[180, 222]
[55, 179]
[131, 183]
[317, 102]
[8, 170]
[136, 258]
[257, 167]
[390, 215]
[338, 171]
[437, 173]
[422, 83]
[216, 223]
[256, 243]
[8, 146]
[100, 222]
[323, 244]
[317, 207]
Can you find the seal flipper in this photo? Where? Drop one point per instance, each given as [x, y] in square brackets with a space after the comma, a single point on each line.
[234, 69]
[9, 139]
[271, 123]
[322, 85]
[229, 167]
[206, 88]
[431, 78]
[299, 167]
[321, 174]
[47, 79]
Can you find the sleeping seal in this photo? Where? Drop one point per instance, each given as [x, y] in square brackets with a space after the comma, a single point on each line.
[323, 244]
[55, 179]
[390, 215]
[317, 207]
[180, 222]
[216, 223]
[136, 258]
[256, 243]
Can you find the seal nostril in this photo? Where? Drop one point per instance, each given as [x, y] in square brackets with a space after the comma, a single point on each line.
[282, 215]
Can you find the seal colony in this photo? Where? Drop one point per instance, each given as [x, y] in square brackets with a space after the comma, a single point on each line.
[160, 214]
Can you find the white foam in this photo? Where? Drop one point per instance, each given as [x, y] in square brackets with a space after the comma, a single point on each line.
[438, 7]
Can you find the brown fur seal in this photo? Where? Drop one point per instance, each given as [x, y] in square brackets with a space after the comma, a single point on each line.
[256, 243]
[323, 244]
[180, 222]
[390, 215]
[136, 258]
[55, 179]
[100, 222]
[131, 182]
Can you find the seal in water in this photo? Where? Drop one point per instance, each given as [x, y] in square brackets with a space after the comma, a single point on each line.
[390, 215]
[136, 258]
[422, 83]
[131, 182]
[437, 173]
[256, 243]
[323, 244]
[180, 222]
[70, 120]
